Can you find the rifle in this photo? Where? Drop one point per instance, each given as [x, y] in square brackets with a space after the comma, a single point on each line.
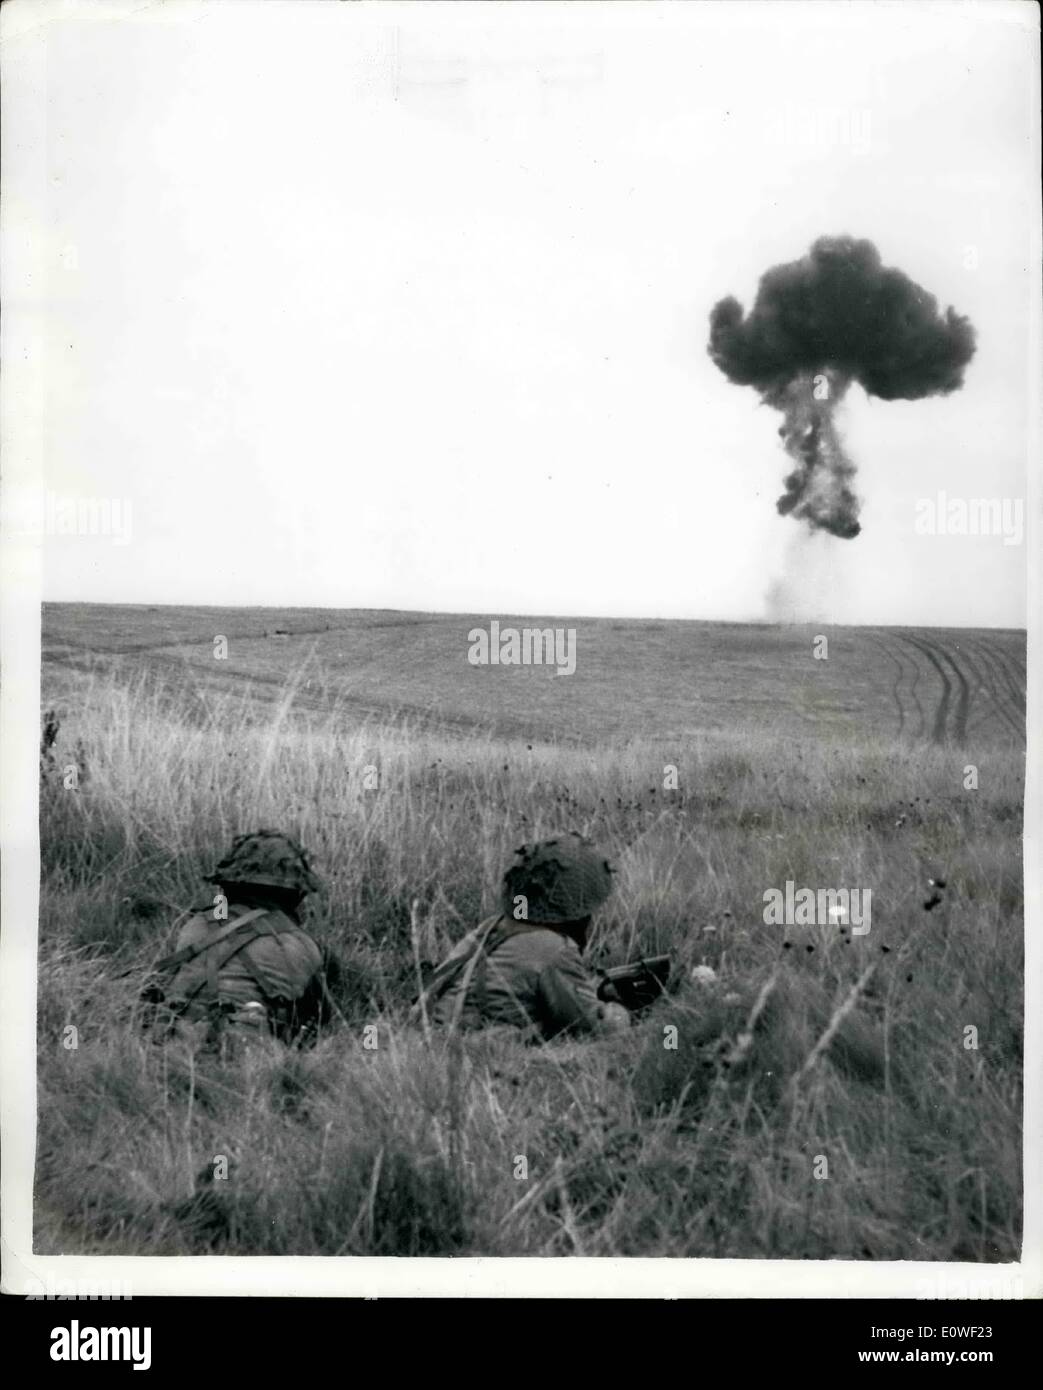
[637, 984]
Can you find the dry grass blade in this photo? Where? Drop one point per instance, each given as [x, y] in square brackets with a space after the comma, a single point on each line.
[744, 1041]
[833, 1027]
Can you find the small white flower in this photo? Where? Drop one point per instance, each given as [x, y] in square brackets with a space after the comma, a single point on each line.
[704, 974]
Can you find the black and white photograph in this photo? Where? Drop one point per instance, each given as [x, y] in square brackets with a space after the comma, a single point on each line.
[518, 608]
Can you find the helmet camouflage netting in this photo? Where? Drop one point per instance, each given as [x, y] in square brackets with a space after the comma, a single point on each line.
[268, 857]
[562, 880]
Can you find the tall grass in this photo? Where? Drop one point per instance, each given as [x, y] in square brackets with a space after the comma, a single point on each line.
[813, 1043]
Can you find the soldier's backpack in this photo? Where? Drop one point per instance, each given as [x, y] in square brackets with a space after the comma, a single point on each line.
[287, 1018]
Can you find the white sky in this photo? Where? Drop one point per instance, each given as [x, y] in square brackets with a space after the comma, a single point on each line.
[372, 305]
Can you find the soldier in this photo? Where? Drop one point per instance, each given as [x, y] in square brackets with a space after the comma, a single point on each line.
[246, 967]
[524, 966]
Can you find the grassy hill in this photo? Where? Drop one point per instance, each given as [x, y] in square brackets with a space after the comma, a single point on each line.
[661, 680]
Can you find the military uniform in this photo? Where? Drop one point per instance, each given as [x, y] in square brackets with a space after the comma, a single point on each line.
[527, 973]
[266, 960]
[534, 980]
[254, 970]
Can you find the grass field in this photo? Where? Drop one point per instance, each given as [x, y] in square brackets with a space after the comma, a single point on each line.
[824, 1098]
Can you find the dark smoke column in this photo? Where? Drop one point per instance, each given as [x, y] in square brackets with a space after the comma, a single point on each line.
[817, 324]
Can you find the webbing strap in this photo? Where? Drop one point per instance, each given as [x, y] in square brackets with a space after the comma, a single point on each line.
[447, 972]
[217, 960]
[483, 947]
[212, 982]
[188, 953]
[485, 942]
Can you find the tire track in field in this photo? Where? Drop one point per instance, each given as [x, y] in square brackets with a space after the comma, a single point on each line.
[986, 703]
[171, 642]
[257, 685]
[983, 664]
[1008, 670]
[941, 713]
[950, 716]
[1014, 675]
[914, 696]
[896, 689]
[907, 669]
[1003, 691]
[963, 693]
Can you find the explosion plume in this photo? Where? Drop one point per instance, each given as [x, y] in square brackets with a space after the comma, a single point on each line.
[835, 316]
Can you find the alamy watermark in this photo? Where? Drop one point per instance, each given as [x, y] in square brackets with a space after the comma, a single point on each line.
[83, 1343]
[65, 514]
[78, 1290]
[822, 907]
[988, 1287]
[971, 516]
[529, 646]
[820, 127]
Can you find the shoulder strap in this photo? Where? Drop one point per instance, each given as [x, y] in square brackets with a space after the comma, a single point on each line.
[496, 939]
[217, 959]
[497, 932]
[447, 972]
[493, 943]
[187, 953]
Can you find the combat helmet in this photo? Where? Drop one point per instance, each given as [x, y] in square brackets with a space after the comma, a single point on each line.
[267, 857]
[562, 880]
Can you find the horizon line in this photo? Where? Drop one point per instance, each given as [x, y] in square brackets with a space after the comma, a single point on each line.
[530, 616]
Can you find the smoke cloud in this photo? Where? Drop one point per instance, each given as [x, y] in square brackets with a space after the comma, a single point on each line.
[835, 316]
[812, 586]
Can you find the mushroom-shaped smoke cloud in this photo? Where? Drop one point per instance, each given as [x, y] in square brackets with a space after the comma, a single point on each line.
[836, 316]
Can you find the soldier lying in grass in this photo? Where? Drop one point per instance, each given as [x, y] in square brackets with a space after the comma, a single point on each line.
[523, 968]
[247, 967]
